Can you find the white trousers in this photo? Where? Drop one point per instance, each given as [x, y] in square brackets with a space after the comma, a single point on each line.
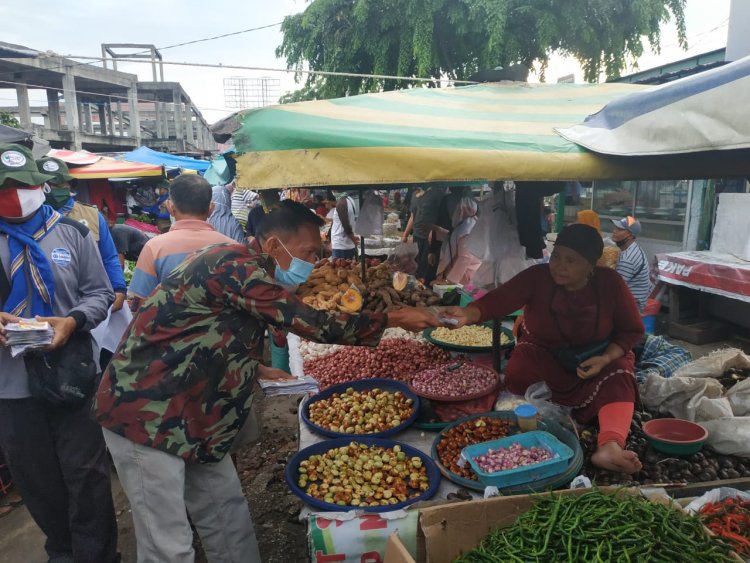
[163, 488]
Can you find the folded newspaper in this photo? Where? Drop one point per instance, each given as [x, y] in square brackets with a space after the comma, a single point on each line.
[297, 386]
[27, 334]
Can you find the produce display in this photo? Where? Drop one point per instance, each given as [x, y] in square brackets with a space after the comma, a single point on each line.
[333, 285]
[730, 520]
[512, 457]
[311, 350]
[453, 440]
[337, 285]
[393, 359]
[706, 465]
[470, 336]
[454, 381]
[362, 475]
[361, 412]
[597, 527]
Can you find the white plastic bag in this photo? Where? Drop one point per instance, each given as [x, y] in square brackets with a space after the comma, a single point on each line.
[540, 395]
[715, 495]
[404, 258]
[739, 398]
[729, 436]
[370, 219]
[508, 401]
[494, 240]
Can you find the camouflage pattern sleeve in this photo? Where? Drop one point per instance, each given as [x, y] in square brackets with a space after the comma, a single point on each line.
[250, 289]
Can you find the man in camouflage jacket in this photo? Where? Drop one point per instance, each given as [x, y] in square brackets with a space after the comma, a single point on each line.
[177, 390]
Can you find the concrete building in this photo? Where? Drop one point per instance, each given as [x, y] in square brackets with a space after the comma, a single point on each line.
[100, 109]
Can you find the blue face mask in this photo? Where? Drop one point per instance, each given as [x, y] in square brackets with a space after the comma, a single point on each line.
[298, 273]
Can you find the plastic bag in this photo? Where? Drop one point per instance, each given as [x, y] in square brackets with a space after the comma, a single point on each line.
[494, 240]
[715, 495]
[403, 258]
[739, 398]
[370, 219]
[508, 401]
[540, 395]
[729, 436]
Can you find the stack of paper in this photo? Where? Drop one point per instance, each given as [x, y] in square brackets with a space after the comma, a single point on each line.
[27, 334]
[297, 386]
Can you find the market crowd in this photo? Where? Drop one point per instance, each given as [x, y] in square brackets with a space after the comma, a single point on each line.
[173, 399]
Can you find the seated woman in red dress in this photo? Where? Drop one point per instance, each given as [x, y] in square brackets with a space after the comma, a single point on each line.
[571, 305]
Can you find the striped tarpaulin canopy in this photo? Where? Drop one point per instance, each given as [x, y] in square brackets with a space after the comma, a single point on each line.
[474, 133]
[486, 132]
[110, 168]
[89, 166]
[74, 158]
[704, 112]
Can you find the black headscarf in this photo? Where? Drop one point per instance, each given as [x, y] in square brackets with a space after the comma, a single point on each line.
[585, 240]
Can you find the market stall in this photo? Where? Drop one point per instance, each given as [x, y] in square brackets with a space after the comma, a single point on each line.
[104, 181]
[478, 133]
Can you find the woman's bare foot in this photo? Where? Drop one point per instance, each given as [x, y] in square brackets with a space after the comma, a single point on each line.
[612, 457]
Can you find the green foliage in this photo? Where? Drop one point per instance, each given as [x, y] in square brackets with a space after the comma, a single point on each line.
[8, 120]
[456, 38]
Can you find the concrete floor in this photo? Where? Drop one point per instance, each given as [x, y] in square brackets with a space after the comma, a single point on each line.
[21, 541]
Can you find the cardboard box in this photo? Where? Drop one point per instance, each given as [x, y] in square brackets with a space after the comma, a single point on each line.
[396, 552]
[447, 531]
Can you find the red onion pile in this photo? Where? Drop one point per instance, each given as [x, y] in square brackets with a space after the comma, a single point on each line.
[511, 457]
[393, 359]
[454, 381]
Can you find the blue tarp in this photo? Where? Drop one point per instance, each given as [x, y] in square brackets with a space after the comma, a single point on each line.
[699, 113]
[148, 156]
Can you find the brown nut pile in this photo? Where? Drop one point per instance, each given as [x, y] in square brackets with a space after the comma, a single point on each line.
[361, 412]
[362, 475]
[482, 429]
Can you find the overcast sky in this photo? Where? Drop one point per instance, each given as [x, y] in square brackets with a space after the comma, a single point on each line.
[52, 25]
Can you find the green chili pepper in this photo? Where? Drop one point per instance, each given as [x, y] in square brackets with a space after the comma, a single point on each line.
[600, 527]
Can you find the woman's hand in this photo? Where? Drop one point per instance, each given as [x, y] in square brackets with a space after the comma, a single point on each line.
[596, 364]
[593, 366]
[412, 319]
[468, 315]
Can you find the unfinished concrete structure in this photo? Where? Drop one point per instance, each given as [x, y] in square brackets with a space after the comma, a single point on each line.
[101, 109]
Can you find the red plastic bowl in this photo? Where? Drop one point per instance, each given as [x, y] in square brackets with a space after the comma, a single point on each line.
[675, 436]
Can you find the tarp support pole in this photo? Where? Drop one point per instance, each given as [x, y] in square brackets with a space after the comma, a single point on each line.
[560, 212]
[362, 241]
[496, 350]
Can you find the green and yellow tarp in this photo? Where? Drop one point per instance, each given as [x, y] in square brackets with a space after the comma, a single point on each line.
[474, 133]
[477, 133]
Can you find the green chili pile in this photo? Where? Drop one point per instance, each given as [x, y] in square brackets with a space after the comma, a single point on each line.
[600, 527]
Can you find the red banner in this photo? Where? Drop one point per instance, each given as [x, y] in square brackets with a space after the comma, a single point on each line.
[722, 274]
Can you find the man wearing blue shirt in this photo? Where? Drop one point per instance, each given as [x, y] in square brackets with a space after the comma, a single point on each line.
[61, 199]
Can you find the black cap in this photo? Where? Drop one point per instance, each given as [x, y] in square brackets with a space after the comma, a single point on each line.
[585, 240]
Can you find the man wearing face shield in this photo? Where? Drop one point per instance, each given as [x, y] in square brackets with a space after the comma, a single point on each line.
[50, 268]
[60, 198]
[178, 389]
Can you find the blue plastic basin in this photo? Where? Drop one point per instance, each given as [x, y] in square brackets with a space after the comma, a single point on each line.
[528, 473]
